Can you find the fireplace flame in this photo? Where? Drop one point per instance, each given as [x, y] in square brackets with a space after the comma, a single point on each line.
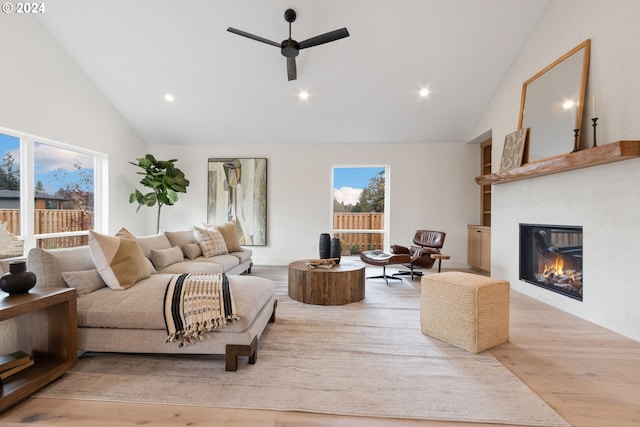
[556, 268]
[554, 274]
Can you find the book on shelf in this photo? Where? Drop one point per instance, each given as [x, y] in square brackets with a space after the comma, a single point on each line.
[16, 358]
[18, 368]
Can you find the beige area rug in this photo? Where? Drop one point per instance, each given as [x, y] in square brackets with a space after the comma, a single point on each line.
[367, 358]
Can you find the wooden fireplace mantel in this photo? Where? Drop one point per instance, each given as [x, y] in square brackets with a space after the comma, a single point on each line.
[608, 153]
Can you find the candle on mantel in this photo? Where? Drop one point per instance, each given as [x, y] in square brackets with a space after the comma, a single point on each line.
[595, 114]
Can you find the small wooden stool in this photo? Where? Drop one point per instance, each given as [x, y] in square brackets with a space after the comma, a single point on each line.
[440, 257]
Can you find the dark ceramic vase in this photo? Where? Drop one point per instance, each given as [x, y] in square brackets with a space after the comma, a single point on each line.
[325, 245]
[336, 250]
[18, 280]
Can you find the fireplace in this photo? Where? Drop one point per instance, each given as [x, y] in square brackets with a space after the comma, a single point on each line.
[551, 257]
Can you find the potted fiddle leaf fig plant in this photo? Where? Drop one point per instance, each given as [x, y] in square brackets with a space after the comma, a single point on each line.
[163, 179]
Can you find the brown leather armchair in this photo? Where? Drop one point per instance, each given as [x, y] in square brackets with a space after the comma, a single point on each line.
[425, 243]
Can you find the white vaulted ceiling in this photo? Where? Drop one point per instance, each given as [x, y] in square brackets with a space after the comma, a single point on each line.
[230, 89]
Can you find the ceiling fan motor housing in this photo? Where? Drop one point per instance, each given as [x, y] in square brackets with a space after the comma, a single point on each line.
[290, 48]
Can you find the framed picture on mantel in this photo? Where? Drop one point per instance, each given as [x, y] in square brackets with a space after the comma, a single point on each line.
[514, 149]
[237, 192]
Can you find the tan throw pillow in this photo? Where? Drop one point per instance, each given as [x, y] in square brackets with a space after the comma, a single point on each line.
[85, 281]
[211, 242]
[182, 237]
[230, 235]
[119, 259]
[162, 258]
[192, 250]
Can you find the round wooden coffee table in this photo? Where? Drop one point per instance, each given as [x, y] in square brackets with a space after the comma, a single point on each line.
[341, 284]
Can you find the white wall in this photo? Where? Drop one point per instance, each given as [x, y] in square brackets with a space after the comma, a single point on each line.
[43, 92]
[432, 187]
[603, 199]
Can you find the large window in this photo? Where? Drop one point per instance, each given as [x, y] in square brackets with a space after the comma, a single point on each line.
[49, 193]
[359, 199]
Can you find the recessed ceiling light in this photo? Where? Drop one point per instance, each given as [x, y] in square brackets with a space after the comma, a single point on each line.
[568, 104]
[303, 95]
[424, 92]
[168, 97]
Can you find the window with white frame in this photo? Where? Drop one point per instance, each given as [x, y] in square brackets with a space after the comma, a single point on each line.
[49, 193]
[360, 196]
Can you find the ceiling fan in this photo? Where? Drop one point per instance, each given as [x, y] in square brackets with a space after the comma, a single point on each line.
[291, 48]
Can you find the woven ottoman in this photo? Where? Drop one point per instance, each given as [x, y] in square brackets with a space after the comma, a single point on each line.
[466, 310]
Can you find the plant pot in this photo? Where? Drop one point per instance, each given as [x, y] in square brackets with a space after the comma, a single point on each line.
[18, 280]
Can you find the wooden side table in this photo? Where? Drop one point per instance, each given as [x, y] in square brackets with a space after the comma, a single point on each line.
[341, 284]
[440, 257]
[42, 323]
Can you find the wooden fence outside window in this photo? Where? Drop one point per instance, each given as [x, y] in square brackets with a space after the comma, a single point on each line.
[48, 221]
[354, 243]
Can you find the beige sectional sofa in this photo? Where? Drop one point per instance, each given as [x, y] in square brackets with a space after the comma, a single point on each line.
[132, 320]
[158, 249]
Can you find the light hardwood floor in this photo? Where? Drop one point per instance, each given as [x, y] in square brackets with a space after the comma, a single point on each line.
[589, 375]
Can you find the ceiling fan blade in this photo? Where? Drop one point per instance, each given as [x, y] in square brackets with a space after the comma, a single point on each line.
[292, 72]
[324, 38]
[252, 36]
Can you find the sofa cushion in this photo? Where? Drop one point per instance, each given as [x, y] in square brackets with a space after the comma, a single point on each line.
[141, 307]
[230, 234]
[244, 255]
[48, 264]
[85, 281]
[191, 250]
[226, 261]
[162, 258]
[153, 241]
[152, 269]
[182, 237]
[119, 259]
[211, 242]
[194, 267]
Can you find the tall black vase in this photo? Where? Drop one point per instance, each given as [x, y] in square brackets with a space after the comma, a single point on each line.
[325, 245]
[18, 280]
[336, 250]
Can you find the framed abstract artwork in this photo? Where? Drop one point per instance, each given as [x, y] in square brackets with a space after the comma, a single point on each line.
[237, 192]
[514, 149]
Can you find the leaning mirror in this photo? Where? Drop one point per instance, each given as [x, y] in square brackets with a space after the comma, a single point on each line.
[552, 104]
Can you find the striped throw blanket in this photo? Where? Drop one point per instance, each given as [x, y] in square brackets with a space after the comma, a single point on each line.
[195, 304]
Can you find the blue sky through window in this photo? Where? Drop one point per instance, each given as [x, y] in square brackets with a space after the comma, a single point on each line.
[53, 165]
[348, 182]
